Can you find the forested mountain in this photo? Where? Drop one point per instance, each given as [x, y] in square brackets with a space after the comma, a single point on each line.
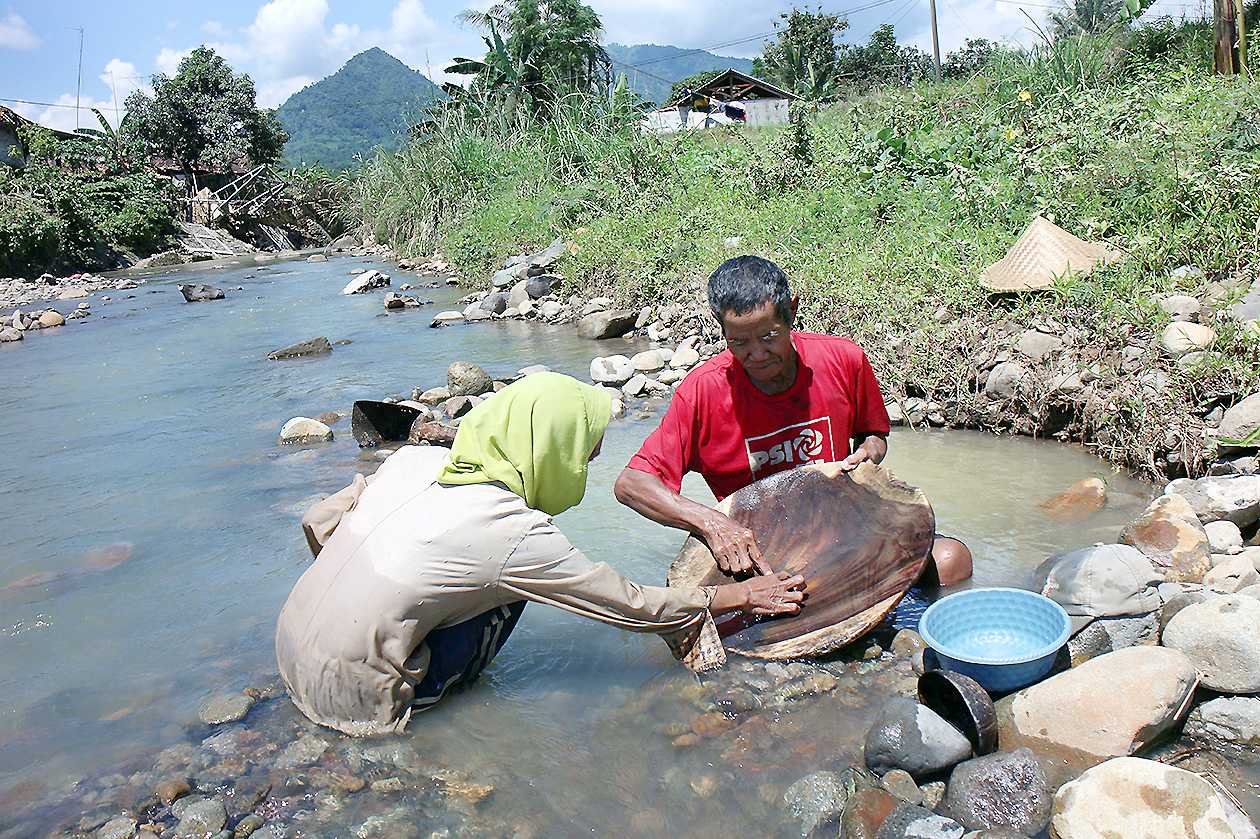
[367, 103]
[672, 63]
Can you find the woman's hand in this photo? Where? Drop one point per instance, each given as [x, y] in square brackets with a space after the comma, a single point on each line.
[733, 545]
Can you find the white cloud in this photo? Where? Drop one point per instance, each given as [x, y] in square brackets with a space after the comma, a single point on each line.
[214, 29]
[16, 34]
[958, 20]
[167, 60]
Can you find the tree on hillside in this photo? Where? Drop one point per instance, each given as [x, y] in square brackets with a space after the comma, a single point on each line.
[537, 51]
[882, 61]
[205, 117]
[803, 55]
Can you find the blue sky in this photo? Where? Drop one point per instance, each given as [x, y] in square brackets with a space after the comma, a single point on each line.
[287, 44]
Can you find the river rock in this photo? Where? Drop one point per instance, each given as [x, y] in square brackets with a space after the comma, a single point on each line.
[537, 287]
[466, 379]
[913, 737]
[815, 800]
[119, 828]
[1170, 534]
[304, 430]
[518, 295]
[365, 282]
[1235, 497]
[311, 346]
[1242, 419]
[613, 370]
[449, 316]
[302, 752]
[1002, 790]
[228, 708]
[247, 826]
[1081, 500]
[201, 818]
[900, 785]
[550, 309]
[1005, 380]
[50, 319]
[8, 335]
[603, 325]
[1037, 345]
[636, 385]
[684, 358]
[1221, 636]
[908, 821]
[1129, 796]
[199, 292]
[1180, 338]
[317, 257]
[458, 406]
[1228, 719]
[171, 790]
[865, 813]
[1181, 307]
[495, 304]
[73, 294]
[1223, 535]
[1106, 635]
[648, 361]
[1232, 575]
[1111, 705]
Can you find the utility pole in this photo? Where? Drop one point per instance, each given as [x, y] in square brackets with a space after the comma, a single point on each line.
[936, 43]
[78, 87]
[1227, 20]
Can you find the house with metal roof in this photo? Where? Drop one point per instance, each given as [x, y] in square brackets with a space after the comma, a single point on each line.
[729, 98]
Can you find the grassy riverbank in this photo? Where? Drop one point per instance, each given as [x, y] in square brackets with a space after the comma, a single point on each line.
[885, 209]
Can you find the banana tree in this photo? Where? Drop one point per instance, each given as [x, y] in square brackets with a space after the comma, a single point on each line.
[108, 139]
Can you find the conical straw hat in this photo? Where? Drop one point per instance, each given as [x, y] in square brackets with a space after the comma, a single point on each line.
[1044, 251]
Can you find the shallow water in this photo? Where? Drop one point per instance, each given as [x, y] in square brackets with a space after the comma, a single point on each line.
[152, 426]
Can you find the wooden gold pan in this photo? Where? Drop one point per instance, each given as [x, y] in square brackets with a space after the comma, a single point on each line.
[860, 540]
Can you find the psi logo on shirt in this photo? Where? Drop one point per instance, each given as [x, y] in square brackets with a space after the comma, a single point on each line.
[789, 447]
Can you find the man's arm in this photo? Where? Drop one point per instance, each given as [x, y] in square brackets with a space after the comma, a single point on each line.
[872, 447]
[732, 544]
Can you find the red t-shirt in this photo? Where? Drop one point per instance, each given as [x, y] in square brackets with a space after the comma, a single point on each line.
[720, 425]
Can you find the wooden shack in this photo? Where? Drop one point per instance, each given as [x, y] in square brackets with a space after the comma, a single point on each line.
[729, 98]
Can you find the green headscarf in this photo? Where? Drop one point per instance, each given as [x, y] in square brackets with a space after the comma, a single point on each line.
[535, 437]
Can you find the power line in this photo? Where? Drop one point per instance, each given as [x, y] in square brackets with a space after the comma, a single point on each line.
[55, 104]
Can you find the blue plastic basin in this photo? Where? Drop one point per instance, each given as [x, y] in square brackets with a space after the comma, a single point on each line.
[1004, 638]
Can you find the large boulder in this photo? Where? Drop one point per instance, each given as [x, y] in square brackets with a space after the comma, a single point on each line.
[495, 304]
[1235, 498]
[1129, 796]
[1242, 419]
[311, 346]
[365, 282]
[466, 379]
[1228, 719]
[1170, 534]
[1221, 637]
[614, 370]
[913, 737]
[1109, 706]
[301, 430]
[815, 800]
[1106, 635]
[1002, 790]
[603, 325]
[199, 292]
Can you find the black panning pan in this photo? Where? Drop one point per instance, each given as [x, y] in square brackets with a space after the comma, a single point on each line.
[373, 423]
[962, 703]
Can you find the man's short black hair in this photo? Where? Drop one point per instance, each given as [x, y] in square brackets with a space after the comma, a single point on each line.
[743, 283]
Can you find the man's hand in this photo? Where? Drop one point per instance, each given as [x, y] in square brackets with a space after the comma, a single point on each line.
[872, 447]
[733, 545]
[861, 455]
[775, 594]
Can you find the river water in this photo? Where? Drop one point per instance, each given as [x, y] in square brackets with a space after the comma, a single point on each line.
[150, 534]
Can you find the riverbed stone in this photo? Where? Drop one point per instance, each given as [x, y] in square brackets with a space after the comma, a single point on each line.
[815, 799]
[449, 316]
[231, 707]
[1234, 498]
[1223, 535]
[539, 286]
[1038, 345]
[1081, 500]
[495, 304]
[8, 335]
[1001, 790]
[1180, 337]
[1130, 796]
[1221, 636]
[913, 737]
[1232, 575]
[865, 813]
[602, 325]
[684, 358]
[1228, 719]
[201, 818]
[1169, 533]
[311, 346]
[302, 752]
[1106, 635]
[50, 319]
[519, 294]
[648, 361]
[300, 430]
[457, 406]
[613, 370]
[1115, 704]
[122, 827]
[464, 378]
[900, 785]
[1242, 419]
[1005, 380]
[199, 292]
[247, 826]
[909, 821]
[1181, 307]
[365, 282]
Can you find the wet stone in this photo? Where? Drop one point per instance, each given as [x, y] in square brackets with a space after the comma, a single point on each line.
[223, 709]
[910, 822]
[901, 786]
[815, 800]
[202, 817]
[171, 790]
[907, 642]
[933, 794]
[910, 736]
[1007, 789]
[865, 813]
[119, 828]
[302, 752]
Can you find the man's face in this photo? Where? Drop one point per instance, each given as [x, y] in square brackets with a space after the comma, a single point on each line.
[761, 342]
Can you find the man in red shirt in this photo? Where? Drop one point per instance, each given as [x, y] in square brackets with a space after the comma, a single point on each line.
[774, 400]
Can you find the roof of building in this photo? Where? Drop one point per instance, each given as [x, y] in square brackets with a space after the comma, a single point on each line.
[12, 118]
[731, 84]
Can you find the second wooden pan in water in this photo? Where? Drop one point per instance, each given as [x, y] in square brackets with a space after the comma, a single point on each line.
[860, 539]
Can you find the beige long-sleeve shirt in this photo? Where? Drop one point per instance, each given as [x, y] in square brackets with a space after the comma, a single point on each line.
[412, 555]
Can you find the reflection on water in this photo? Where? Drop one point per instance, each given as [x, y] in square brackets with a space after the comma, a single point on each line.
[153, 425]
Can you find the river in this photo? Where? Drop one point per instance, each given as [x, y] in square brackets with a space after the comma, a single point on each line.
[151, 427]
